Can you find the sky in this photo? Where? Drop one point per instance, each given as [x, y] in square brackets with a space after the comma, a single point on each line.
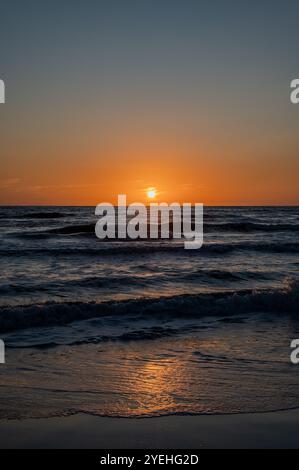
[113, 97]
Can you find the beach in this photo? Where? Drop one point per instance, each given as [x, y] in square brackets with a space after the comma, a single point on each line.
[245, 431]
[117, 344]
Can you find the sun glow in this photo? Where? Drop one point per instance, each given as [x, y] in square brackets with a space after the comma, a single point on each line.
[151, 193]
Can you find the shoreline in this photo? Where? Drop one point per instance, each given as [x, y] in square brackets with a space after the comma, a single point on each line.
[277, 429]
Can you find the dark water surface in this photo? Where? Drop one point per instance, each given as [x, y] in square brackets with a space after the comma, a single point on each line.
[134, 328]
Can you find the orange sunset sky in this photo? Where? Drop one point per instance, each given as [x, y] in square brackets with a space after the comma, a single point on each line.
[116, 100]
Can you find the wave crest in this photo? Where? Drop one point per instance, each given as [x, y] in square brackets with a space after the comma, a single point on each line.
[282, 301]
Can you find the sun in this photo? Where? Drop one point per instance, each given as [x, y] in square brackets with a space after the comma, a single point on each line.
[151, 193]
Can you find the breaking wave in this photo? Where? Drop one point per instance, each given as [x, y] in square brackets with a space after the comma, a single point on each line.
[280, 301]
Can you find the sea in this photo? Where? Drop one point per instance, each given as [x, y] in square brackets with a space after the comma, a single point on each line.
[146, 328]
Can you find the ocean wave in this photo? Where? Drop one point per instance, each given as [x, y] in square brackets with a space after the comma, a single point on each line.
[246, 227]
[146, 333]
[225, 275]
[92, 282]
[282, 301]
[34, 215]
[43, 215]
[243, 226]
[73, 229]
[154, 246]
[98, 282]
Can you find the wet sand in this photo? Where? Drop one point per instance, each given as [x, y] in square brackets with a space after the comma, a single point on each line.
[263, 430]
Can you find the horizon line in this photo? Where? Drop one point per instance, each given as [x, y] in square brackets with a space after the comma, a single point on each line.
[115, 205]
